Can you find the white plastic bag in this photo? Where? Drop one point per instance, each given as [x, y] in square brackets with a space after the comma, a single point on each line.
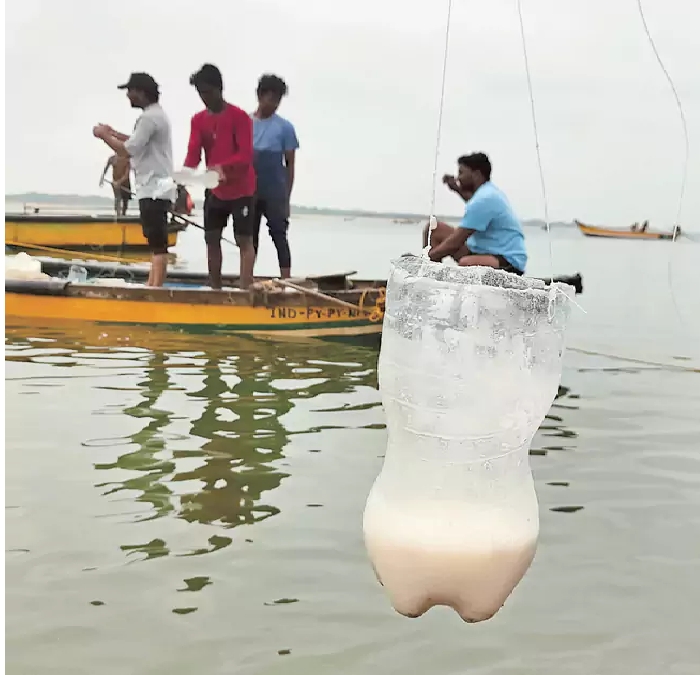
[208, 179]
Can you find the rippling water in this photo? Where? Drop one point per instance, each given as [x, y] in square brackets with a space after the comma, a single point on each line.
[179, 504]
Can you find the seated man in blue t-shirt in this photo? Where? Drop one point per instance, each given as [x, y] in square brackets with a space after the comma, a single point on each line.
[274, 144]
[490, 233]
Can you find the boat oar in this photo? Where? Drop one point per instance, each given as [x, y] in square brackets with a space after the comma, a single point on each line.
[176, 216]
[322, 296]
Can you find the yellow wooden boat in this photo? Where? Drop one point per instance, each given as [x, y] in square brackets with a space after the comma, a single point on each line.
[324, 307]
[77, 232]
[593, 231]
[331, 306]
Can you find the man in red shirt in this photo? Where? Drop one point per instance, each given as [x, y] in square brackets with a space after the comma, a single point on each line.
[225, 133]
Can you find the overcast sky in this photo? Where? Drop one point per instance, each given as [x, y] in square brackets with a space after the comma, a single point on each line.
[364, 81]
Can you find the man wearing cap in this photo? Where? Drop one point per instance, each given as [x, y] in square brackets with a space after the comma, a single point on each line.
[151, 153]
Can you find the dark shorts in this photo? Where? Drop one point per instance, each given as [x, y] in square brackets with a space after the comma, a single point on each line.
[154, 223]
[217, 212]
[504, 265]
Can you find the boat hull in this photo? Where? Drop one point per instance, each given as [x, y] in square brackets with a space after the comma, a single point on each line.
[197, 310]
[330, 306]
[593, 231]
[79, 232]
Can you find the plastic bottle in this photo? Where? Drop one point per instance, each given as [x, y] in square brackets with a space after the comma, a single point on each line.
[77, 274]
[469, 366]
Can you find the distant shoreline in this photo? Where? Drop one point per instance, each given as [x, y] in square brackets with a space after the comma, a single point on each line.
[39, 199]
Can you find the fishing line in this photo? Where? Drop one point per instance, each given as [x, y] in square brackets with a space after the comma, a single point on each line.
[645, 362]
[432, 223]
[684, 172]
[543, 186]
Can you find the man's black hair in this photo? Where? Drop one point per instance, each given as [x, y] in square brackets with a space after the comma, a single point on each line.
[477, 162]
[272, 83]
[208, 74]
[144, 83]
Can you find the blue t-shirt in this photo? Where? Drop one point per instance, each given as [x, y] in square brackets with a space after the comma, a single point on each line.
[497, 230]
[272, 137]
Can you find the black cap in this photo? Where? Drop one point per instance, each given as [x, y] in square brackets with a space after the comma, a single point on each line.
[140, 81]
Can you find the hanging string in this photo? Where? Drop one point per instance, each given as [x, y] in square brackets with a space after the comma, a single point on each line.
[432, 223]
[537, 142]
[684, 124]
[684, 173]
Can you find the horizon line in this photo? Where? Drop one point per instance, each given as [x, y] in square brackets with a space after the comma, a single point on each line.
[351, 211]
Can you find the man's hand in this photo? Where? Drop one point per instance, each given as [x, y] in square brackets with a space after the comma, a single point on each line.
[451, 182]
[220, 171]
[434, 254]
[101, 131]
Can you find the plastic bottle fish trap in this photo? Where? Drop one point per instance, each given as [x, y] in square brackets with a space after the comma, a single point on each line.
[470, 363]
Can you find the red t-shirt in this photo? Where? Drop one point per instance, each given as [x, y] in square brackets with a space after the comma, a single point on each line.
[227, 141]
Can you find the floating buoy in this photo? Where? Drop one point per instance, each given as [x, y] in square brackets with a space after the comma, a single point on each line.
[470, 364]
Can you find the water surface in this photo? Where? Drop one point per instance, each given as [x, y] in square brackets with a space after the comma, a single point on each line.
[183, 503]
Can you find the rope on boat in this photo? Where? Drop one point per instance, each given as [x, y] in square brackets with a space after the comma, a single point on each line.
[374, 314]
[49, 249]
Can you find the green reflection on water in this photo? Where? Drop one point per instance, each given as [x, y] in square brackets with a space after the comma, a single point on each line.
[241, 427]
[244, 387]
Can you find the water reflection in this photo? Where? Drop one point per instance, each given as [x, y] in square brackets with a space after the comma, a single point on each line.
[211, 447]
[243, 435]
[554, 425]
[149, 470]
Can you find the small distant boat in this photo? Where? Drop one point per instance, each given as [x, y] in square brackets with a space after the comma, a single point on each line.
[80, 232]
[593, 231]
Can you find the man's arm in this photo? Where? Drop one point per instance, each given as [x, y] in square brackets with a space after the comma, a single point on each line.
[145, 128]
[112, 141]
[454, 185]
[194, 146]
[110, 162]
[291, 145]
[451, 245]
[477, 217]
[465, 194]
[289, 163]
[119, 136]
